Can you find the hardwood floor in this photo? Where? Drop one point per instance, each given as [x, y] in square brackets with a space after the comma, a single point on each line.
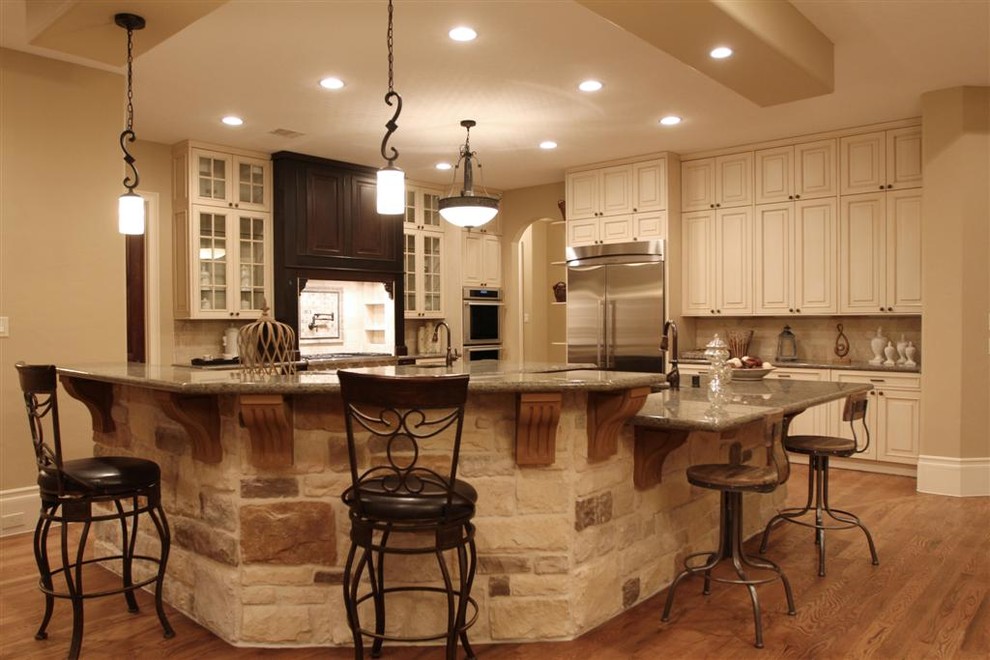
[928, 598]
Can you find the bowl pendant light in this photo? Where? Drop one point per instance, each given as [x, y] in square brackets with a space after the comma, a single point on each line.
[130, 208]
[468, 209]
[391, 188]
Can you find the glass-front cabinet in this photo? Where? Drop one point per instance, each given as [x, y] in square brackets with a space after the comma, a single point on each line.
[423, 254]
[223, 232]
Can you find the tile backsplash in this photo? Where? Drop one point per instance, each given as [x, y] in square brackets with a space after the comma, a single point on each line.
[815, 335]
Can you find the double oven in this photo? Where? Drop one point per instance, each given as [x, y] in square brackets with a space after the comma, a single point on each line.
[482, 323]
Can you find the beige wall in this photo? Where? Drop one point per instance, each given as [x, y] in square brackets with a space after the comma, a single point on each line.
[955, 413]
[61, 258]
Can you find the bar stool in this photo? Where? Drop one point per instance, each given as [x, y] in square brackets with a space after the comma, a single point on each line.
[732, 480]
[819, 449]
[407, 486]
[69, 489]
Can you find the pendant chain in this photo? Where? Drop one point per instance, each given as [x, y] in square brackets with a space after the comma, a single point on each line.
[389, 40]
[130, 92]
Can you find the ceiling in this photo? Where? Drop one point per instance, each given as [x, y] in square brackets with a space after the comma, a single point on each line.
[262, 59]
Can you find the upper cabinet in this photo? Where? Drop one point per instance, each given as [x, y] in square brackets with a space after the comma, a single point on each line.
[481, 259]
[803, 171]
[721, 182]
[424, 254]
[222, 232]
[883, 160]
[617, 203]
[718, 269]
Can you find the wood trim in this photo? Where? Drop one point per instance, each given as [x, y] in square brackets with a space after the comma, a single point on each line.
[199, 415]
[97, 397]
[650, 450]
[537, 415]
[267, 418]
[607, 412]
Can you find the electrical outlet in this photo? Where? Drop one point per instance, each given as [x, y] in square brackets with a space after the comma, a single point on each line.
[4, 326]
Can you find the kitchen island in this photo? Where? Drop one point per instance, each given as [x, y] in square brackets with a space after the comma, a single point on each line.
[253, 469]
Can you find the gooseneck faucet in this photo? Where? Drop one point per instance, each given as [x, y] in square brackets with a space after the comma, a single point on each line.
[450, 355]
[669, 343]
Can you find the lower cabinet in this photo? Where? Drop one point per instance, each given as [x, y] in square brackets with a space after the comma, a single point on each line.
[813, 421]
[893, 415]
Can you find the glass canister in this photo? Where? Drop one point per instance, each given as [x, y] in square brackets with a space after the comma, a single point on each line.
[717, 354]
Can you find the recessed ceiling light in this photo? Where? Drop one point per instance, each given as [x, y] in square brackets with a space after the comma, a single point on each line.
[231, 120]
[548, 144]
[590, 86]
[721, 52]
[332, 83]
[670, 120]
[462, 33]
[443, 166]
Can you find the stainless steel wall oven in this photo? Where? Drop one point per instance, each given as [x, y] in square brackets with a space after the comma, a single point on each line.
[482, 316]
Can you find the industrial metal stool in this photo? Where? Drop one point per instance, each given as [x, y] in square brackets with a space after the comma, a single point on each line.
[819, 449]
[409, 486]
[69, 489]
[732, 480]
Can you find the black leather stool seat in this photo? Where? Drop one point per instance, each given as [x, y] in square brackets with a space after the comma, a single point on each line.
[717, 476]
[819, 444]
[430, 504]
[102, 475]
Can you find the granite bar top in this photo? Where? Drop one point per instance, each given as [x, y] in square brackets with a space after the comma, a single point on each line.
[487, 376]
[688, 408]
[807, 364]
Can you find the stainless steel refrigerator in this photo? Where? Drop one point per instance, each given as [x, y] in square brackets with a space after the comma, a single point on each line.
[615, 305]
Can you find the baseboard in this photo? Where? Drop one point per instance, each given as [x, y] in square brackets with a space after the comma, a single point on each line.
[958, 477]
[19, 510]
[862, 465]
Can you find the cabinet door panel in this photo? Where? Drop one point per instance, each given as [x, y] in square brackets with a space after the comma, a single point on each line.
[615, 229]
[698, 184]
[649, 225]
[491, 258]
[734, 180]
[322, 234]
[814, 420]
[698, 238]
[904, 158]
[814, 169]
[582, 232]
[900, 426]
[371, 234]
[861, 250]
[616, 190]
[733, 265]
[904, 251]
[649, 186]
[815, 257]
[471, 258]
[211, 177]
[862, 163]
[582, 195]
[772, 238]
[254, 181]
[774, 174]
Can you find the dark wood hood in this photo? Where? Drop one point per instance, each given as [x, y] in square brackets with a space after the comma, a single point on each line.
[326, 227]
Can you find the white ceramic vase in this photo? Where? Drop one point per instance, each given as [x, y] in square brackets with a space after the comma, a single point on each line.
[890, 352]
[876, 345]
[910, 351]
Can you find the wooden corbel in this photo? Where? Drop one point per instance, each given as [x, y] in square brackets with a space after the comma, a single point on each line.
[199, 415]
[607, 412]
[537, 415]
[268, 420]
[97, 396]
[652, 446]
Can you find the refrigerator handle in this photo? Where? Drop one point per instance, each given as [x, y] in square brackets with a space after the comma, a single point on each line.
[612, 333]
[603, 336]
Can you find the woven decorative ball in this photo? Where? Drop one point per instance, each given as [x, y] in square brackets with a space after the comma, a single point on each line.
[267, 347]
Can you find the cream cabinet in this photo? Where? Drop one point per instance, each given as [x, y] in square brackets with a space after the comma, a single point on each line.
[801, 171]
[882, 160]
[617, 204]
[814, 420]
[893, 415]
[880, 253]
[481, 259]
[720, 182]
[222, 232]
[717, 262]
[423, 254]
[795, 250]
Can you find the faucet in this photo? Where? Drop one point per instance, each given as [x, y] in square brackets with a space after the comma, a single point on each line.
[450, 355]
[319, 317]
[669, 343]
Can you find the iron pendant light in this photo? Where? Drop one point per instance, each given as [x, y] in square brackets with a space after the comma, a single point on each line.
[391, 188]
[467, 209]
[130, 208]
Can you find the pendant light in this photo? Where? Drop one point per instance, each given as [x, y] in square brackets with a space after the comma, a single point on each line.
[391, 187]
[130, 209]
[467, 209]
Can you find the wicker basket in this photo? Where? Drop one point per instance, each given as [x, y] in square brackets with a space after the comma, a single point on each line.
[267, 347]
[738, 341]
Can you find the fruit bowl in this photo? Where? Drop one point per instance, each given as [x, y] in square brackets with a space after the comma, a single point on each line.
[750, 374]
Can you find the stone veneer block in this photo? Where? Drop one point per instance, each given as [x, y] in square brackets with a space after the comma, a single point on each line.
[289, 533]
[319, 412]
[218, 509]
[216, 601]
[491, 564]
[205, 540]
[630, 593]
[542, 491]
[538, 532]
[262, 487]
[552, 564]
[275, 623]
[529, 618]
[498, 585]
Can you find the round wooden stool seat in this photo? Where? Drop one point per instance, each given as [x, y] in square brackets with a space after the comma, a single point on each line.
[718, 476]
[821, 445]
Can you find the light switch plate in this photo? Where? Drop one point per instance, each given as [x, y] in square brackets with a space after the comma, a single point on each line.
[4, 326]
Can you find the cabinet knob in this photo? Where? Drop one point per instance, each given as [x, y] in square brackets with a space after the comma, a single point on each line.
[791, 309]
[882, 309]
[890, 309]
[635, 209]
[797, 196]
[711, 206]
[711, 311]
[798, 310]
[882, 186]
[889, 186]
[880, 393]
[718, 206]
[790, 197]
[872, 393]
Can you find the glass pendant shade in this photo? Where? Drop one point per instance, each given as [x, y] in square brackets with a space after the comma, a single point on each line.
[130, 214]
[391, 191]
[468, 210]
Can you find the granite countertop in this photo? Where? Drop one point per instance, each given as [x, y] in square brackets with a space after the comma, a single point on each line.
[809, 364]
[688, 408]
[486, 376]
